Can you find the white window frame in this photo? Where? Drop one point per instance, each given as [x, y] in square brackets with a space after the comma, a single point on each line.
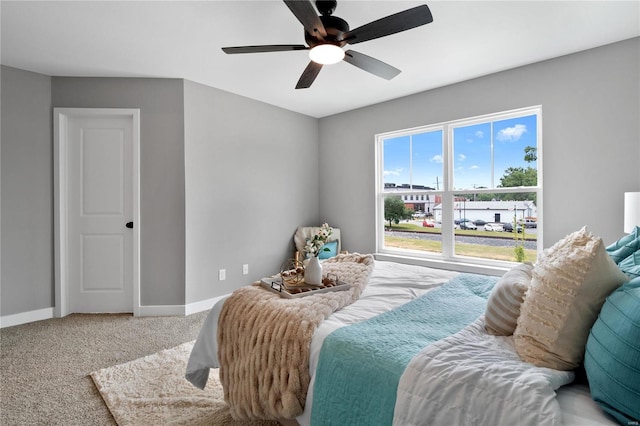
[448, 259]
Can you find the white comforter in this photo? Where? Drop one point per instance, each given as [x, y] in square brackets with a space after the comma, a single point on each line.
[391, 285]
[474, 378]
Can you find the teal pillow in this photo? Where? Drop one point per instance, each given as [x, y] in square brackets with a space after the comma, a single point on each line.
[625, 246]
[612, 356]
[332, 251]
[631, 265]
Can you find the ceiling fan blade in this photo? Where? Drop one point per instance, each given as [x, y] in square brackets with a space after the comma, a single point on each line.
[306, 14]
[264, 48]
[309, 75]
[369, 64]
[401, 21]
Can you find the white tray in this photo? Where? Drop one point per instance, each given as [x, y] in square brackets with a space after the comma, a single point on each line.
[274, 285]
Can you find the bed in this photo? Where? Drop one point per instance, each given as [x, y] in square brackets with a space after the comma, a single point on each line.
[455, 372]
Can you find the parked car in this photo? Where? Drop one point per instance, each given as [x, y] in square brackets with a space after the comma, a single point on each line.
[468, 225]
[529, 223]
[427, 224]
[479, 222]
[508, 227]
[494, 227]
[462, 220]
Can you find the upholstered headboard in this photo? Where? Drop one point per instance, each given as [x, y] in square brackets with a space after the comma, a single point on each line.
[307, 232]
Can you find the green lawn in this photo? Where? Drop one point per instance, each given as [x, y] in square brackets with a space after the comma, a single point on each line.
[462, 249]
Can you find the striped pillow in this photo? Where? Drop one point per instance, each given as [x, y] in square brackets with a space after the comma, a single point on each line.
[503, 306]
[625, 246]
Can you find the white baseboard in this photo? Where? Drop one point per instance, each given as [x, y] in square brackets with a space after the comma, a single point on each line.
[25, 317]
[179, 310]
[203, 305]
[145, 311]
[161, 311]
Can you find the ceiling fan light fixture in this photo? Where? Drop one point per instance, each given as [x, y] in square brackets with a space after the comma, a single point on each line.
[326, 54]
[327, 35]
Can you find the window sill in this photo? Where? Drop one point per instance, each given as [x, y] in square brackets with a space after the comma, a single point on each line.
[451, 265]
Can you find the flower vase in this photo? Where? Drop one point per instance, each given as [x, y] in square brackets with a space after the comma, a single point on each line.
[313, 272]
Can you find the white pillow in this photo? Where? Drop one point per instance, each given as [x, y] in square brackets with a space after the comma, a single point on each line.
[503, 306]
[570, 283]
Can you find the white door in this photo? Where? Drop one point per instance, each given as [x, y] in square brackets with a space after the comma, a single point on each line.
[99, 182]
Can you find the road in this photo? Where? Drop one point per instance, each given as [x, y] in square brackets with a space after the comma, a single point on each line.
[487, 241]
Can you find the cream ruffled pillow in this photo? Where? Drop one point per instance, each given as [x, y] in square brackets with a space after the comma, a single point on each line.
[503, 306]
[570, 283]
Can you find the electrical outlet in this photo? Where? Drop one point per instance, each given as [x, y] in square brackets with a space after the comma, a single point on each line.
[245, 269]
[222, 274]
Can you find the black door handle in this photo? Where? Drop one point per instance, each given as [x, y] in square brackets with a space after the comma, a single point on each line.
[129, 225]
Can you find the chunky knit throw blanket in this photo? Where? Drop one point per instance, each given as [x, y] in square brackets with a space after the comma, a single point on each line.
[263, 341]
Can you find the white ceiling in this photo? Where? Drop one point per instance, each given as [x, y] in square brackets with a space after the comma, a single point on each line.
[182, 39]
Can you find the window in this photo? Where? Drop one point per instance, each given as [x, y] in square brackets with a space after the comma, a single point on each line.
[466, 190]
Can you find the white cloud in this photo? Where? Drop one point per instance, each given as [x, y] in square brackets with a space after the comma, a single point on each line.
[436, 159]
[479, 134]
[395, 172]
[462, 157]
[511, 134]
[474, 167]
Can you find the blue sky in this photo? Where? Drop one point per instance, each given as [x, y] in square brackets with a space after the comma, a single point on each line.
[471, 151]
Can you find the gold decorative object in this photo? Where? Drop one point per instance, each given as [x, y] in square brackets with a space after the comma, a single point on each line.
[292, 272]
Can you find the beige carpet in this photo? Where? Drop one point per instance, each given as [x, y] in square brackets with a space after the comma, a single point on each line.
[152, 390]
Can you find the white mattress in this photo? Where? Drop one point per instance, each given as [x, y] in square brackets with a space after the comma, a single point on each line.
[393, 284]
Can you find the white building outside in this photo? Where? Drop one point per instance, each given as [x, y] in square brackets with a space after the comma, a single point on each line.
[490, 211]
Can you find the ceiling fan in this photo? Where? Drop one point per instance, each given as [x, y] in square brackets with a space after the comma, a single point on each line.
[326, 35]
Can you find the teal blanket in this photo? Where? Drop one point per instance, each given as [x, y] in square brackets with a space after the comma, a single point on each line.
[360, 365]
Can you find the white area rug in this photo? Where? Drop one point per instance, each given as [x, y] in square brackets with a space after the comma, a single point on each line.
[153, 391]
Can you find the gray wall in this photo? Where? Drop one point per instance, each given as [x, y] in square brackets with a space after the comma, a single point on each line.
[591, 139]
[162, 264]
[251, 173]
[27, 192]
[225, 180]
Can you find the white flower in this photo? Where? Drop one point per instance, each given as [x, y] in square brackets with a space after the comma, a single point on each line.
[313, 245]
